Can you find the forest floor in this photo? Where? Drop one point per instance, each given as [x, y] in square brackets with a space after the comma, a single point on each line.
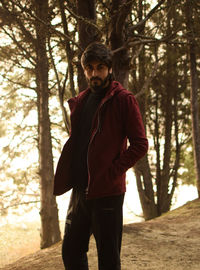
[170, 242]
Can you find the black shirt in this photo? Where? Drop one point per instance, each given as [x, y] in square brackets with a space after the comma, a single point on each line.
[82, 138]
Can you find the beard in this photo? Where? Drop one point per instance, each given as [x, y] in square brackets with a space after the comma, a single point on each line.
[97, 83]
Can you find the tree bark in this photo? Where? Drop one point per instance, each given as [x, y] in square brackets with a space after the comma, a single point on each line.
[145, 188]
[142, 167]
[119, 11]
[86, 11]
[50, 232]
[189, 8]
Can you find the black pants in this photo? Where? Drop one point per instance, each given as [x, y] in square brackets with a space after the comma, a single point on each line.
[101, 217]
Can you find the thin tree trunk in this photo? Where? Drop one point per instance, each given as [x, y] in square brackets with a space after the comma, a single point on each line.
[142, 168]
[163, 182]
[195, 113]
[68, 48]
[189, 8]
[50, 232]
[174, 174]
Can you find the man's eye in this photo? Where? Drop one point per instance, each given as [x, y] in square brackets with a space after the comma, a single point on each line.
[88, 68]
[100, 67]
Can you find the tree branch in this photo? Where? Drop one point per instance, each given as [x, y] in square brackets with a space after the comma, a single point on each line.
[17, 83]
[68, 51]
[15, 19]
[142, 22]
[83, 19]
[148, 40]
[60, 90]
[25, 53]
[17, 204]
[66, 37]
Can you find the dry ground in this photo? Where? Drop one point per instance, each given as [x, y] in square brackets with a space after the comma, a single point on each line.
[170, 242]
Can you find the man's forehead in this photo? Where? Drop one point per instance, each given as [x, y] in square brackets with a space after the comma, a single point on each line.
[95, 63]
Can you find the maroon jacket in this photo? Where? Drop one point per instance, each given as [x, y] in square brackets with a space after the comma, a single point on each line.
[117, 118]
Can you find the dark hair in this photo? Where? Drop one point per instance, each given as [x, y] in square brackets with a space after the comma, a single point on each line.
[97, 51]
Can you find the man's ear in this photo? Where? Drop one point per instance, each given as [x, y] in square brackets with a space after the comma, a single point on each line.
[110, 71]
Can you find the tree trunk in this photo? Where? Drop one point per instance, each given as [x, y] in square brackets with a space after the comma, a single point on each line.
[154, 204]
[119, 11]
[195, 112]
[145, 188]
[163, 181]
[142, 168]
[86, 10]
[50, 232]
[189, 8]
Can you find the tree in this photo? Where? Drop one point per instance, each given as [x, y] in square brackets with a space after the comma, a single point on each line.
[142, 168]
[191, 18]
[30, 39]
[50, 232]
[157, 176]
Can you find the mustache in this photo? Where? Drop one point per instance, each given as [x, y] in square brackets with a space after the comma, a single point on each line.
[95, 78]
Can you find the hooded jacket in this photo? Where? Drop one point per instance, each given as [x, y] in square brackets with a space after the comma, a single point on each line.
[117, 119]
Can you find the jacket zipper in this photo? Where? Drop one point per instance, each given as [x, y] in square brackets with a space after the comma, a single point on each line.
[91, 139]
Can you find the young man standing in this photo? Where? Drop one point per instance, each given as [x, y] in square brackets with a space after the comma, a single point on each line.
[94, 161]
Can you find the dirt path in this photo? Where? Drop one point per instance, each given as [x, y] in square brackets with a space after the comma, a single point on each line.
[170, 242]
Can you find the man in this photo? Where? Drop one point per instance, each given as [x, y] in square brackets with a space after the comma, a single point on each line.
[94, 161]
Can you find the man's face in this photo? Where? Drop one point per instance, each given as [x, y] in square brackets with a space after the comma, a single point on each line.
[97, 74]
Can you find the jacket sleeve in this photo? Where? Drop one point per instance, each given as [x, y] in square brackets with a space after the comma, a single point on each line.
[135, 132]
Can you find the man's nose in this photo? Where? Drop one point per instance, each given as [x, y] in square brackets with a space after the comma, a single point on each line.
[94, 72]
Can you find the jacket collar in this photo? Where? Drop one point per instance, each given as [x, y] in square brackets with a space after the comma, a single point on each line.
[114, 88]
